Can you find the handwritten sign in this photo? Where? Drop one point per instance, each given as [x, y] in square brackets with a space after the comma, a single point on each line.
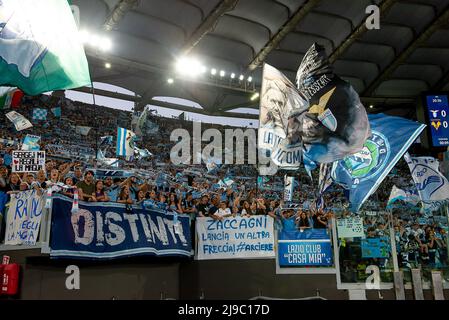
[350, 227]
[28, 161]
[24, 218]
[233, 238]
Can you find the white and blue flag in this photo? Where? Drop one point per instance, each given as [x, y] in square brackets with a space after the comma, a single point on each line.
[125, 143]
[432, 186]
[31, 143]
[407, 195]
[19, 121]
[56, 112]
[39, 114]
[142, 153]
[363, 172]
[106, 140]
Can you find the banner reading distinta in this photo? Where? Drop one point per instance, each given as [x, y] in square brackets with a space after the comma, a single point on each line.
[106, 230]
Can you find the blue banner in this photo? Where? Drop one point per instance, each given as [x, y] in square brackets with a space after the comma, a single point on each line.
[108, 230]
[363, 172]
[438, 114]
[311, 247]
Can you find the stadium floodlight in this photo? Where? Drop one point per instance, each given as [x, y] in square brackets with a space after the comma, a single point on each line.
[250, 79]
[255, 96]
[105, 44]
[188, 66]
[203, 69]
[107, 65]
[222, 73]
[170, 80]
[84, 36]
[213, 71]
[241, 77]
[232, 75]
[94, 40]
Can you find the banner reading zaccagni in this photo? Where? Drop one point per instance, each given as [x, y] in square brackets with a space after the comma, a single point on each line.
[233, 238]
[108, 230]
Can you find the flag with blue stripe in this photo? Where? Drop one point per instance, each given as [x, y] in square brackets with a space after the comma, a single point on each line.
[125, 143]
[363, 172]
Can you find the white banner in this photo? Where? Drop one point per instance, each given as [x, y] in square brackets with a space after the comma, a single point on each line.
[28, 161]
[24, 217]
[19, 121]
[233, 238]
[82, 130]
[288, 188]
[350, 227]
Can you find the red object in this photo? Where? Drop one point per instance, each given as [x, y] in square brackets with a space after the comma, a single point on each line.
[16, 99]
[9, 277]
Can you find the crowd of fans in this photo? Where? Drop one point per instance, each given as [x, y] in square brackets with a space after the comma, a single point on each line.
[192, 189]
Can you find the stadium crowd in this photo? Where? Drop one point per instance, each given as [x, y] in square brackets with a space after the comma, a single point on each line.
[193, 190]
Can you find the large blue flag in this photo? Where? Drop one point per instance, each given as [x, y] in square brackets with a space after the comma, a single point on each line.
[363, 172]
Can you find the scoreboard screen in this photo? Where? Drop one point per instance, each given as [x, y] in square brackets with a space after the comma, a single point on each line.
[438, 115]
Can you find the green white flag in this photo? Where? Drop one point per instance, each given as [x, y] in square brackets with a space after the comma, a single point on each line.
[40, 49]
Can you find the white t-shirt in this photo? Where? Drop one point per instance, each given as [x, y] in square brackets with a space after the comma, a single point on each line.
[223, 212]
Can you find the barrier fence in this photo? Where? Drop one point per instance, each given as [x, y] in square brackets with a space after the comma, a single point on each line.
[350, 247]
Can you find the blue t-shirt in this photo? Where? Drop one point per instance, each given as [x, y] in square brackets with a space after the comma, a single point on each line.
[162, 205]
[7, 159]
[113, 193]
[289, 224]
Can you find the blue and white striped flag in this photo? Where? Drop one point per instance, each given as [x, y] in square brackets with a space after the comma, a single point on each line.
[125, 142]
[39, 114]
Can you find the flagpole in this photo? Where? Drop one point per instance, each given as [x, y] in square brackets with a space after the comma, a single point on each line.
[96, 124]
[257, 191]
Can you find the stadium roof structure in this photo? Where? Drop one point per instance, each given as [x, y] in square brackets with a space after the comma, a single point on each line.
[392, 65]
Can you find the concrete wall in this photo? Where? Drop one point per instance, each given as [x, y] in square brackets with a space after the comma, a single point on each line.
[156, 278]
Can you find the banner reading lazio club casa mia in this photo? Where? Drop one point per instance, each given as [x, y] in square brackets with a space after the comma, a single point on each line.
[108, 231]
[233, 238]
[311, 247]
